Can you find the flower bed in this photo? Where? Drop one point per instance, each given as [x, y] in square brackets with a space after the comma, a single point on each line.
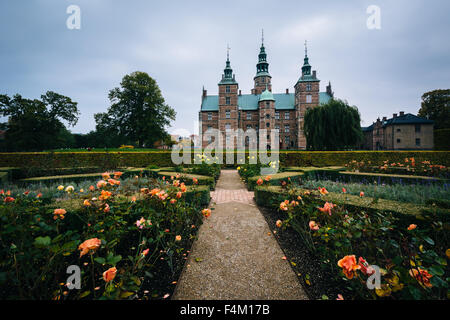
[411, 251]
[127, 245]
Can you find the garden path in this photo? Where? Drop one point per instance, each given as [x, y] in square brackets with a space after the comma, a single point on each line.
[236, 255]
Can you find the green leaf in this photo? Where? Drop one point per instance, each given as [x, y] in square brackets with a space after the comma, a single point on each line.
[85, 294]
[438, 282]
[437, 270]
[415, 292]
[325, 297]
[42, 242]
[100, 260]
[429, 240]
[126, 294]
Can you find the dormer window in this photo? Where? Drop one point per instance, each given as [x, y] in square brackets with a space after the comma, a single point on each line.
[308, 87]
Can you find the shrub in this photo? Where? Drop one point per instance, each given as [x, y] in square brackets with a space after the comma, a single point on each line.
[275, 179]
[343, 237]
[137, 236]
[187, 178]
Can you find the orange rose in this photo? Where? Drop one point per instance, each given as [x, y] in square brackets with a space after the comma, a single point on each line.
[117, 174]
[349, 266]
[323, 191]
[313, 226]
[412, 227]
[259, 182]
[9, 199]
[206, 212]
[422, 276]
[361, 194]
[327, 207]
[279, 223]
[109, 274]
[88, 245]
[59, 213]
[178, 238]
[179, 194]
[101, 184]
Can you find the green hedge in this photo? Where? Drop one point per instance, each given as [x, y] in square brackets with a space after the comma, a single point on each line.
[188, 179]
[198, 194]
[275, 179]
[4, 178]
[16, 173]
[267, 196]
[442, 139]
[386, 178]
[112, 160]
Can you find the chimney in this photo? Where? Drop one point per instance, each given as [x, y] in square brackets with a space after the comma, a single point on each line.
[384, 118]
[314, 74]
[240, 92]
[394, 115]
[287, 90]
[402, 113]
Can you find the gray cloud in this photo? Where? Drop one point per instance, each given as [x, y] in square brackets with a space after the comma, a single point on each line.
[183, 46]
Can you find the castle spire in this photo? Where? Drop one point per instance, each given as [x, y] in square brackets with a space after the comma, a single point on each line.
[306, 69]
[262, 67]
[228, 76]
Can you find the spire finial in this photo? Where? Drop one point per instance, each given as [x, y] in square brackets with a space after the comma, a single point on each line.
[228, 52]
[262, 37]
[306, 49]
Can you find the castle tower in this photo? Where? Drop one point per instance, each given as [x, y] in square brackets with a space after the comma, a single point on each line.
[228, 101]
[266, 108]
[262, 78]
[306, 96]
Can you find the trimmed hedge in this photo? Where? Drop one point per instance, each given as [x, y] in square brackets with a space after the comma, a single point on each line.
[4, 178]
[275, 179]
[386, 178]
[199, 194]
[442, 139]
[63, 178]
[188, 178]
[266, 195]
[16, 173]
[112, 160]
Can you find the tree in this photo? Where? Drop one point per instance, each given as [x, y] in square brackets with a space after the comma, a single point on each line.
[333, 126]
[436, 107]
[35, 125]
[138, 111]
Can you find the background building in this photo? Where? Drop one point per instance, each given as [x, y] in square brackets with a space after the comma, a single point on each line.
[262, 109]
[401, 132]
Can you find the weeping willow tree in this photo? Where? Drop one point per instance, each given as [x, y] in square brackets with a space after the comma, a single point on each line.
[333, 126]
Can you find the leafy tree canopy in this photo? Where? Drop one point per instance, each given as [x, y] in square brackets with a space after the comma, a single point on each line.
[138, 111]
[436, 107]
[37, 124]
[333, 126]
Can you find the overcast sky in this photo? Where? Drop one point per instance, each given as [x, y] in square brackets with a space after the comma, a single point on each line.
[182, 45]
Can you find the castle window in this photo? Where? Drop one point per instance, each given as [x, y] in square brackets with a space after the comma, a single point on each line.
[417, 127]
[286, 140]
[267, 104]
[398, 140]
[227, 100]
[286, 116]
[308, 87]
[267, 116]
[228, 114]
[418, 142]
[286, 128]
[249, 126]
[268, 124]
[227, 127]
[277, 115]
[263, 80]
[209, 115]
[249, 116]
[398, 130]
[308, 98]
[277, 127]
[227, 89]
[256, 127]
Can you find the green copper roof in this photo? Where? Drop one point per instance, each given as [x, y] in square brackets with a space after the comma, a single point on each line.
[262, 67]
[249, 102]
[266, 96]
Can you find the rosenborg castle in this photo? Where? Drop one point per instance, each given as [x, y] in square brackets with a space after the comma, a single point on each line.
[262, 109]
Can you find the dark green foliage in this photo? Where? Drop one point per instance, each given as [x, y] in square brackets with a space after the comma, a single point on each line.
[35, 125]
[333, 126]
[436, 107]
[138, 111]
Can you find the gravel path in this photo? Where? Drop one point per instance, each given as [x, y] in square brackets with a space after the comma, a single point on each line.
[236, 255]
